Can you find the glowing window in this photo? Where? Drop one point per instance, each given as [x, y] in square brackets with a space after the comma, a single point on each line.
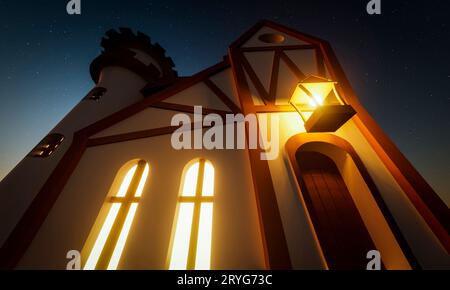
[47, 145]
[111, 239]
[191, 245]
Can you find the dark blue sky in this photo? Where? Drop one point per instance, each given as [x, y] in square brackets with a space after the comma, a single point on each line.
[398, 62]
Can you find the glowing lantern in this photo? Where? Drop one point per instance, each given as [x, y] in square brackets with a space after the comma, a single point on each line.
[319, 105]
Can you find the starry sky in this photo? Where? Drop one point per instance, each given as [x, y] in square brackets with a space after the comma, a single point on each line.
[397, 62]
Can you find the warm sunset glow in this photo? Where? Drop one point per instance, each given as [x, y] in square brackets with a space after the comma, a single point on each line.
[319, 91]
[102, 236]
[194, 220]
[123, 237]
[116, 227]
[180, 248]
[142, 181]
[190, 180]
[312, 103]
[316, 92]
[203, 258]
[126, 182]
[311, 94]
[208, 180]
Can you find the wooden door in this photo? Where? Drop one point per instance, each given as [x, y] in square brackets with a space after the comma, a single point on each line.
[339, 227]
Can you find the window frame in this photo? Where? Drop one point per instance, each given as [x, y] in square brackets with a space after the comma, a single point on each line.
[198, 200]
[47, 146]
[107, 240]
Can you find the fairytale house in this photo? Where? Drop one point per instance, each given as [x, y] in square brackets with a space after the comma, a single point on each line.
[106, 181]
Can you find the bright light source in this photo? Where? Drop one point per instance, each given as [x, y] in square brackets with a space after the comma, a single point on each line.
[313, 91]
[180, 248]
[102, 236]
[203, 257]
[312, 103]
[190, 180]
[319, 105]
[208, 180]
[113, 234]
[191, 246]
[142, 182]
[115, 258]
[126, 182]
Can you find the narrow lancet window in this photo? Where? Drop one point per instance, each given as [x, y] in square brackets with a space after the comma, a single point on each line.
[111, 239]
[191, 245]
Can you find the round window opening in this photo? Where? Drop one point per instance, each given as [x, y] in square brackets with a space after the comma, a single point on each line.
[271, 38]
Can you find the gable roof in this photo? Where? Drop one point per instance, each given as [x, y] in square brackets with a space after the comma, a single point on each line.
[184, 83]
[284, 29]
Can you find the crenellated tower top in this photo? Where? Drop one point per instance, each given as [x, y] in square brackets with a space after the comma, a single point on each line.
[137, 53]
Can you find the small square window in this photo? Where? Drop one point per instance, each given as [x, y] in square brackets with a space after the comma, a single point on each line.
[95, 94]
[47, 146]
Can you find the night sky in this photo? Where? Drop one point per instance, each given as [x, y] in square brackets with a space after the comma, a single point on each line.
[397, 62]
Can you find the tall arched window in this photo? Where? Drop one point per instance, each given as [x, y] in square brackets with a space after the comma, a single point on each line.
[121, 207]
[191, 242]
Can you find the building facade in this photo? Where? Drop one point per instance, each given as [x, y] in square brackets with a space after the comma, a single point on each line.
[107, 182]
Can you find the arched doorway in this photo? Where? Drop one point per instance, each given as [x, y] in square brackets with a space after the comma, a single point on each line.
[345, 207]
[340, 229]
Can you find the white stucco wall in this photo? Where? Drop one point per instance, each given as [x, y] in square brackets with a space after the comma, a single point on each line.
[236, 242]
[21, 185]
